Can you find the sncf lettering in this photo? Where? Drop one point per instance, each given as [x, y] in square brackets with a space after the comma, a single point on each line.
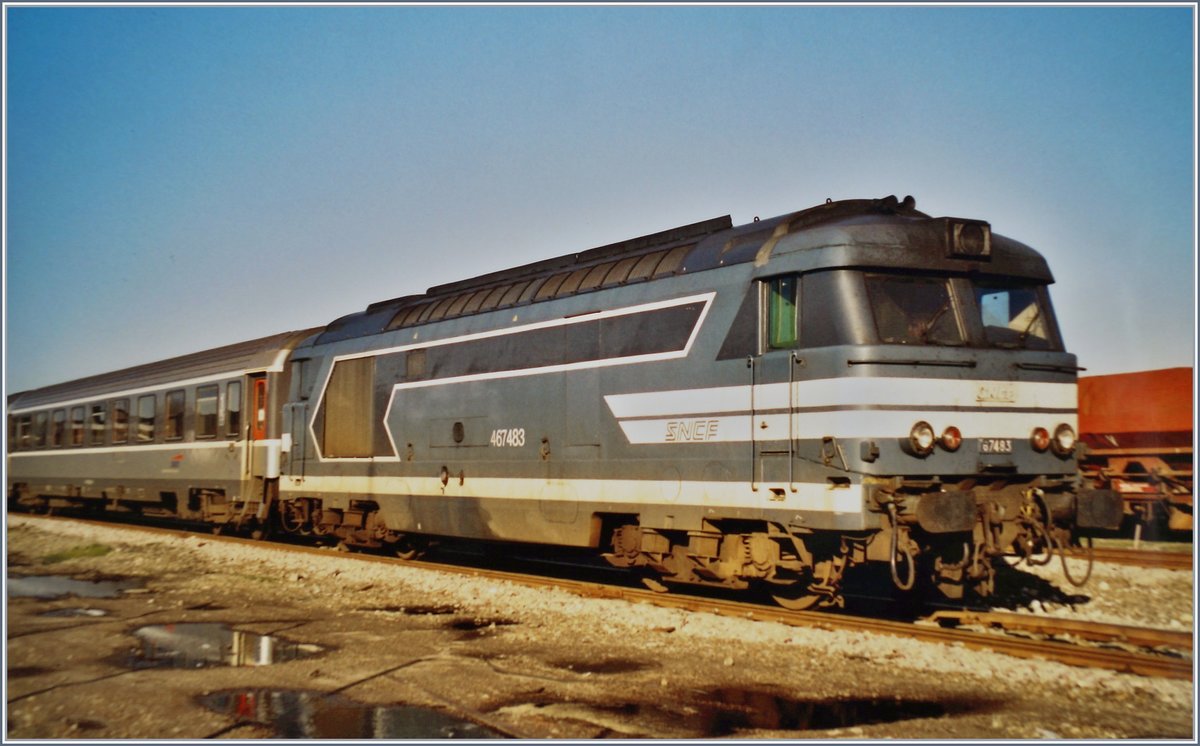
[691, 431]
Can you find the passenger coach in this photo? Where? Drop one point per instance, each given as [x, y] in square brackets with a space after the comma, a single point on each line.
[195, 437]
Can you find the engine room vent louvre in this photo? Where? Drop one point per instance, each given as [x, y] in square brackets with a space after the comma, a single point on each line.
[602, 267]
[638, 268]
[682, 249]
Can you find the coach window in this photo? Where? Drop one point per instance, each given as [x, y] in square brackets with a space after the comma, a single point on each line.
[781, 312]
[76, 426]
[58, 428]
[24, 432]
[144, 426]
[206, 411]
[233, 409]
[174, 415]
[39, 430]
[97, 425]
[21, 434]
[120, 421]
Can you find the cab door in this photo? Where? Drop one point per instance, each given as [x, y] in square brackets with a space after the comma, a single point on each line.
[773, 389]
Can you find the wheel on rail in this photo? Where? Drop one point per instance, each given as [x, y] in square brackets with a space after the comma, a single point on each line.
[409, 547]
[795, 597]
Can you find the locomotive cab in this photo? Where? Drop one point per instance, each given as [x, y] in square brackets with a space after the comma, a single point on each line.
[925, 374]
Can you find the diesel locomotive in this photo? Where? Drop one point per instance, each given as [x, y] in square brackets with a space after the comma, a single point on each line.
[755, 406]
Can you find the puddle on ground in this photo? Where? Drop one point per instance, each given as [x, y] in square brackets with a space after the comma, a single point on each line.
[603, 665]
[57, 586]
[299, 714]
[472, 625]
[197, 645]
[21, 672]
[84, 612]
[724, 712]
[476, 629]
[413, 610]
[206, 606]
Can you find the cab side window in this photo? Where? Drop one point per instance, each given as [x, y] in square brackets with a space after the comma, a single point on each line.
[782, 317]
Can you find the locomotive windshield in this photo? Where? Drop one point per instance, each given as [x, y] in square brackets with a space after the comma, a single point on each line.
[1014, 317]
[918, 310]
[914, 310]
[839, 307]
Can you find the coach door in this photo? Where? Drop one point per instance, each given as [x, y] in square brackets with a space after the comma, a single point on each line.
[773, 390]
[264, 460]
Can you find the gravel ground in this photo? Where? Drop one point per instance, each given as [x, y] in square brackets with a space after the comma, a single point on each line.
[533, 663]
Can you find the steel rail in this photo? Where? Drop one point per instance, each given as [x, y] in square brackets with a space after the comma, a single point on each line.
[1143, 558]
[1142, 637]
[1143, 664]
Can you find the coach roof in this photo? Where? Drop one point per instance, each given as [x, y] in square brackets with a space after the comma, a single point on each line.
[243, 357]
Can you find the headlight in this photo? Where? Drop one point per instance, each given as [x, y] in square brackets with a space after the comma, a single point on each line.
[921, 438]
[1040, 440]
[951, 438]
[1064, 439]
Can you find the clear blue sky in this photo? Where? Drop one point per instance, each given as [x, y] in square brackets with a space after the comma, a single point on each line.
[182, 178]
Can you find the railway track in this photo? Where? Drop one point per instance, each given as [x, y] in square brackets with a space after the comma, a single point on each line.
[1143, 558]
[1052, 639]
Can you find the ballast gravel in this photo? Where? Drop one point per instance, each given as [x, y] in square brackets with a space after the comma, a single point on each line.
[534, 663]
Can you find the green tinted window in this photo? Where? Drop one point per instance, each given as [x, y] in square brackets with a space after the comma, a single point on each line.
[781, 312]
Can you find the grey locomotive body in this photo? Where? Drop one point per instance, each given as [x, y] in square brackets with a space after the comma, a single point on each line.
[767, 404]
